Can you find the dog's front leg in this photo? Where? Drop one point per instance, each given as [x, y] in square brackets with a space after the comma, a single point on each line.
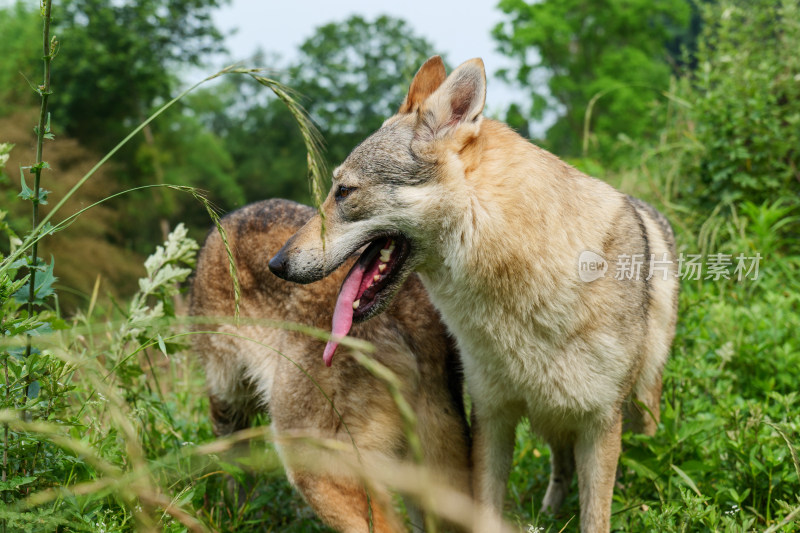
[493, 437]
[343, 504]
[596, 456]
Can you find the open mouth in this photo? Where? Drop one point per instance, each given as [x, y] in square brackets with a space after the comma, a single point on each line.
[370, 281]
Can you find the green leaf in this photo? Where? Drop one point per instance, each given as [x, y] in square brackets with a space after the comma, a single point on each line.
[33, 390]
[39, 167]
[639, 468]
[47, 228]
[48, 134]
[162, 346]
[15, 482]
[18, 353]
[27, 192]
[19, 326]
[44, 286]
[42, 329]
[58, 324]
[686, 479]
[18, 263]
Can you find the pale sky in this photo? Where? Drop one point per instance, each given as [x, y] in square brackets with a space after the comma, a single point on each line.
[459, 30]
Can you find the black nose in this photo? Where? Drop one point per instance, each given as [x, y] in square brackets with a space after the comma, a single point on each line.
[278, 265]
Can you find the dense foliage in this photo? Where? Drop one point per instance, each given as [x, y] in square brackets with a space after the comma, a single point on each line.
[340, 60]
[117, 59]
[103, 417]
[746, 103]
[614, 54]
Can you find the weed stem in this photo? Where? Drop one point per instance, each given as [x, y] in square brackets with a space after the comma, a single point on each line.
[42, 130]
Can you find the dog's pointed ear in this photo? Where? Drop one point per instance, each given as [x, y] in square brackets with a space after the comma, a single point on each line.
[428, 78]
[457, 101]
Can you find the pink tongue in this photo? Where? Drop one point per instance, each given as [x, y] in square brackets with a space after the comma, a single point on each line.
[343, 313]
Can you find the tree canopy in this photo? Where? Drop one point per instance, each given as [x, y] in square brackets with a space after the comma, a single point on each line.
[573, 51]
[118, 59]
[350, 76]
[354, 75]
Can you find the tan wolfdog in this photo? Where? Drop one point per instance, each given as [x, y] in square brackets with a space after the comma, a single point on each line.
[499, 231]
[244, 376]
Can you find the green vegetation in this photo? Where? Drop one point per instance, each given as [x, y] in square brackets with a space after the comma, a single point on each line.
[103, 417]
[206, 140]
[340, 60]
[747, 104]
[613, 55]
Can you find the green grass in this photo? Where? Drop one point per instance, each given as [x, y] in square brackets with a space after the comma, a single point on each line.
[127, 417]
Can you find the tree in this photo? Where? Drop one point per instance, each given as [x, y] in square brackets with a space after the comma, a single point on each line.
[265, 147]
[184, 151]
[613, 51]
[20, 28]
[745, 100]
[118, 59]
[350, 76]
[117, 62]
[355, 74]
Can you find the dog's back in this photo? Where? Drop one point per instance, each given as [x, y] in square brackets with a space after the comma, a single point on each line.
[255, 366]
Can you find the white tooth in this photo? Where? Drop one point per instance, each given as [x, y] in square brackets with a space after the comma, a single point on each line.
[391, 247]
[385, 255]
[377, 277]
[355, 304]
[381, 267]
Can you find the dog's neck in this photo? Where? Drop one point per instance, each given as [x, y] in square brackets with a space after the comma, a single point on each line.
[512, 225]
[506, 196]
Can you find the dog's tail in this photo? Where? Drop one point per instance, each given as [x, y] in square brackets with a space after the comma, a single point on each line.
[651, 212]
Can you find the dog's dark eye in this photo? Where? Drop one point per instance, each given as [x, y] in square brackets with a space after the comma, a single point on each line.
[343, 191]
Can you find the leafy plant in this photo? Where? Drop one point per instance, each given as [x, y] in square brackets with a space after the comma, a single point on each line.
[612, 54]
[746, 103]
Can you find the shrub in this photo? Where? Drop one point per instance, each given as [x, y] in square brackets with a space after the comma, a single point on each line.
[746, 103]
